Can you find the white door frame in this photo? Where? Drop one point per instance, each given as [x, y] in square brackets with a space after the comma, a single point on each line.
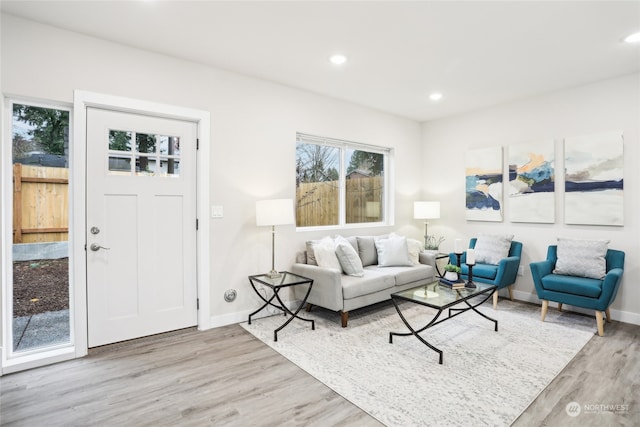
[78, 269]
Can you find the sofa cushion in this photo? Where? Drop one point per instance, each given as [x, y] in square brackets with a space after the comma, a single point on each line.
[491, 248]
[393, 251]
[311, 253]
[367, 250]
[301, 257]
[372, 281]
[353, 241]
[582, 286]
[405, 275]
[348, 257]
[584, 258]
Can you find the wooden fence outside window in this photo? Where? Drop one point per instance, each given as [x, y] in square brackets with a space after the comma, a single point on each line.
[40, 204]
[317, 202]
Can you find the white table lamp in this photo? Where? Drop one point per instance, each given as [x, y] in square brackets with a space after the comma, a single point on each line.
[271, 213]
[426, 210]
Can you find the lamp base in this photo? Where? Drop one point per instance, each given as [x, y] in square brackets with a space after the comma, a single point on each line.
[424, 293]
[273, 274]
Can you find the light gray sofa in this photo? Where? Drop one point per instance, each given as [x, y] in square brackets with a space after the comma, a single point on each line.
[334, 290]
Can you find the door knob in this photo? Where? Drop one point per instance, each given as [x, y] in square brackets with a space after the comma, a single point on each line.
[96, 247]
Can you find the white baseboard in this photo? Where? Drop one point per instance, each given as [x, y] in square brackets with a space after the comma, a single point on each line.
[621, 316]
[243, 316]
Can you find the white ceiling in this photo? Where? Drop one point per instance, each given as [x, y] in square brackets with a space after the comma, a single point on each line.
[477, 53]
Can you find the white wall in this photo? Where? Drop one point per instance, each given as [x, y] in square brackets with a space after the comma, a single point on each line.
[253, 126]
[610, 105]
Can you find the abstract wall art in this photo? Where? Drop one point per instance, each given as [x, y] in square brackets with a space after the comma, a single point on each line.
[594, 179]
[483, 184]
[532, 182]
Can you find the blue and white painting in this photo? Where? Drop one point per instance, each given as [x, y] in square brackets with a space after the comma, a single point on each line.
[483, 184]
[594, 179]
[532, 182]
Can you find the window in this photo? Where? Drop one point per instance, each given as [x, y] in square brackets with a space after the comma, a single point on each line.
[143, 157]
[339, 182]
[38, 307]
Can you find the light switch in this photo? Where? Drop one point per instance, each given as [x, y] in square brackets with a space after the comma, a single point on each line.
[217, 211]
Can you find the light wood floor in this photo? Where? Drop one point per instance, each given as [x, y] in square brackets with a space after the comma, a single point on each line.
[226, 377]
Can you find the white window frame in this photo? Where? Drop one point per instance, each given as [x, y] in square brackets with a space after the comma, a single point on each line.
[388, 198]
[13, 361]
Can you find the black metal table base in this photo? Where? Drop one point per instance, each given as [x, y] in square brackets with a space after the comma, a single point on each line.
[435, 321]
[283, 307]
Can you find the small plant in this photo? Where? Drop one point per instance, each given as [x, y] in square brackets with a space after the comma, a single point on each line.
[433, 243]
[451, 267]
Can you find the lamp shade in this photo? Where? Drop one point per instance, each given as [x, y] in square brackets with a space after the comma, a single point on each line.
[274, 212]
[426, 210]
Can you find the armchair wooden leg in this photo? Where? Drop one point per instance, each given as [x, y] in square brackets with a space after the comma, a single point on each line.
[309, 307]
[344, 316]
[559, 306]
[510, 289]
[608, 313]
[599, 322]
[545, 306]
[495, 299]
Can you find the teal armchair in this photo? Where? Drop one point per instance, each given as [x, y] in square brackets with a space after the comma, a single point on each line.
[593, 294]
[503, 275]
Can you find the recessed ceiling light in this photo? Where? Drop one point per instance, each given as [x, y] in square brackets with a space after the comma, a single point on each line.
[436, 96]
[338, 59]
[633, 38]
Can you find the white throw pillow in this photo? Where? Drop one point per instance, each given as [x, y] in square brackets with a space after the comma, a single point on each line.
[490, 248]
[348, 257]
[393, 252]
[415, 247]
[326, 254]
[584, 258]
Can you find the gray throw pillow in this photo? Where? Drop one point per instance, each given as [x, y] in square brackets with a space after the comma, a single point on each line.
[367, 250]
[348, 257]
[584, 258]
[490, 249]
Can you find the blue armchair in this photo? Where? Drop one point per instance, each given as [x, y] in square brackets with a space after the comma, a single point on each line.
[594, 294]
[503, 275]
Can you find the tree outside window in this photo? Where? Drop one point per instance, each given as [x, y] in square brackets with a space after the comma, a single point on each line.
[40, 135]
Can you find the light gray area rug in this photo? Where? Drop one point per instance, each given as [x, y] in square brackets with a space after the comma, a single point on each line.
[488, 378]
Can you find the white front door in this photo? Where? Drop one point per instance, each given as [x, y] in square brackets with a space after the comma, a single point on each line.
[141, 225]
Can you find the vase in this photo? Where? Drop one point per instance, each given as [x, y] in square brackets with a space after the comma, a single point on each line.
[451, 276]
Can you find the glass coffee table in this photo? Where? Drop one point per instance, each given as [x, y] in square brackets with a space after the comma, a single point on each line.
[441, 298]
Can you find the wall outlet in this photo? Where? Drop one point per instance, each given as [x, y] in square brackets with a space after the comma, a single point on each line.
[521, 271]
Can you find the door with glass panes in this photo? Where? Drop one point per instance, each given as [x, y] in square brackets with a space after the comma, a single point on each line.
[141, 225]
